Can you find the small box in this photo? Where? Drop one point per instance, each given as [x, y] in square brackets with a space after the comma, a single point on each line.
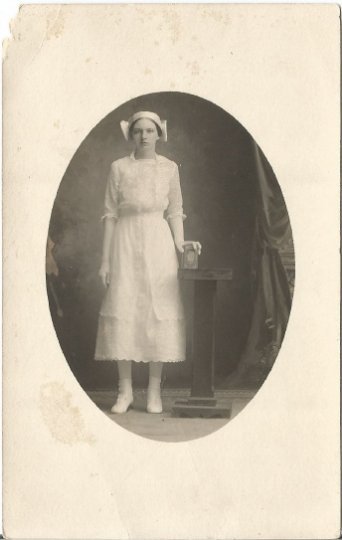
[189, 256]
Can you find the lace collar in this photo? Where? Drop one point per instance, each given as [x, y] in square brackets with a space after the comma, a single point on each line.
[158, 158]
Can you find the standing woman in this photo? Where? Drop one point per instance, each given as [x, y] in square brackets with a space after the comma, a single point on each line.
[141, 317]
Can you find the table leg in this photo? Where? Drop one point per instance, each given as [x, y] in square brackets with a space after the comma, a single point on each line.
[202, 403]
[203, 340]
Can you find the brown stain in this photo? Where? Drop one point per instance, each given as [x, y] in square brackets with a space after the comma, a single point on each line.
[56, 124]
[147, 71]
[167, 19]
[117, 21]
[172, 20]
[217, 14]
[194, 66]
[63, 420]
[54, 24]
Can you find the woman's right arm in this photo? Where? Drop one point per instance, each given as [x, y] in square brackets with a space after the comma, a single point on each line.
[104, 272]
[110, 216]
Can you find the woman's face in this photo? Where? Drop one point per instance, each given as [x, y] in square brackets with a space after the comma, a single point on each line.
[145, 134]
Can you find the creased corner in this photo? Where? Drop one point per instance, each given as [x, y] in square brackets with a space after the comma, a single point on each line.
[32, 26]
[6, 43]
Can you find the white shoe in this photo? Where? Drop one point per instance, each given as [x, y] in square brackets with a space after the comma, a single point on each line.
[123, 403]
[154, 402]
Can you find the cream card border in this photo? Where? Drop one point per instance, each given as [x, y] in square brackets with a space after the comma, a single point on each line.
[273, 472]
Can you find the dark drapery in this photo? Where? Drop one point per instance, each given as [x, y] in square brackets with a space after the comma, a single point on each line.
[272, 298]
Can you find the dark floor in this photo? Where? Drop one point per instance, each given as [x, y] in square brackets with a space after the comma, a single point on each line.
[165, 426]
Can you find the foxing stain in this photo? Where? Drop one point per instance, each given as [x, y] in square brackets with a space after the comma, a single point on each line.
[63, 420]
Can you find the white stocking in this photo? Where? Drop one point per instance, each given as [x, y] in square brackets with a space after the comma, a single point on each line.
[154, 402]
[125, 395]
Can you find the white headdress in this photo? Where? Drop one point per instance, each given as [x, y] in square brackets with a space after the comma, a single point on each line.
[126, 124]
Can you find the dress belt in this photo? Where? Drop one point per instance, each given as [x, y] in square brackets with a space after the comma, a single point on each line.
[126, 212]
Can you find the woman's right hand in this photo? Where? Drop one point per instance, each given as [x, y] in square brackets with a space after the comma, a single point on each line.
[104, 274]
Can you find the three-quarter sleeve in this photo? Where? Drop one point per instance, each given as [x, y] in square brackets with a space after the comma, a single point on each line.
[111, 201]
[175, 207]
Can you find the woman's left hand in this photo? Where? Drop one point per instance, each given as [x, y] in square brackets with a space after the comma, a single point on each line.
[197, 247]
[180, 246]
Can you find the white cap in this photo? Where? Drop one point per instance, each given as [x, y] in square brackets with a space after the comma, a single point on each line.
[126, 124]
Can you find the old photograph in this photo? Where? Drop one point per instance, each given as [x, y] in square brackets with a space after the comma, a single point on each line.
[171, 284]
[208, 323]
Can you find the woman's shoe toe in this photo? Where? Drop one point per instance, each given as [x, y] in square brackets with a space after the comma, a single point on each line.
[123, 403]
[154, 404]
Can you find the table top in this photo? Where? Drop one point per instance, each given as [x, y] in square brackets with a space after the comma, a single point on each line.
[212, 274]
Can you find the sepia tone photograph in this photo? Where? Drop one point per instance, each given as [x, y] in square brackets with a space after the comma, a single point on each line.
[171, 272]
[170, 266]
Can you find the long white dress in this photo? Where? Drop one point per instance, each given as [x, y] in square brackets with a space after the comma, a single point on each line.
[141, 316]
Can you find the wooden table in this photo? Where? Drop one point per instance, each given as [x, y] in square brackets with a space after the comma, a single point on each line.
[202, 402]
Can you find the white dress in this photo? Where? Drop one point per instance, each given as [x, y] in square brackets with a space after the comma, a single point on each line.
[141, 316]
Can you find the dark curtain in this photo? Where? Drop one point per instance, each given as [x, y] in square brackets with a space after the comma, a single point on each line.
[269, 281]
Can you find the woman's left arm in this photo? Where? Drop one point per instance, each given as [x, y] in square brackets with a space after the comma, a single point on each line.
[174, 212]
[176, 225]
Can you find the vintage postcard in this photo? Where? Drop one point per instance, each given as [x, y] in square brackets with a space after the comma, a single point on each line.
[171, 278]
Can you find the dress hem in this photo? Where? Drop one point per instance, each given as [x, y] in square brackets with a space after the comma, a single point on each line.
[123, 319]
[97, 359]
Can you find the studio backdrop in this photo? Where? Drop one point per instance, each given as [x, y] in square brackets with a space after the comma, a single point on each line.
[234, 207]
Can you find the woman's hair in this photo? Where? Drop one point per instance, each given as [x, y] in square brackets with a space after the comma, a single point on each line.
[159, 131]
